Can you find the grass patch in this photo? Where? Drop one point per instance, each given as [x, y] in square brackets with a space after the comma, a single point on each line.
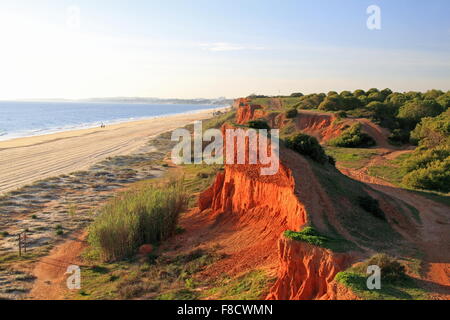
[136, 217]
[395, 284]
[251, 286]
[197, 178]
[29, 256]
[288, 128]
[219, 121]
[161, 277]
[182, 294]
[313, 237]
[388, 173]
[344, 193]
[353, 158]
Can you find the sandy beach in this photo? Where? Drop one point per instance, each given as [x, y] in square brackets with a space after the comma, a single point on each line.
[25, 160]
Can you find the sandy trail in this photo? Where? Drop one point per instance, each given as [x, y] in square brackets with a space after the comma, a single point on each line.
[25, 160]
[50, 271]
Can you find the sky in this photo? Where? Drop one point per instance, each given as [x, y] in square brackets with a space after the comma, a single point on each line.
[212, 48]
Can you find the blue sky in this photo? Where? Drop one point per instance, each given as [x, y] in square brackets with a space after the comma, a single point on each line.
[213, 48]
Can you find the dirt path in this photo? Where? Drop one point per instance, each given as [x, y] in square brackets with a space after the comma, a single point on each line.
[434, 237]
[50, 271]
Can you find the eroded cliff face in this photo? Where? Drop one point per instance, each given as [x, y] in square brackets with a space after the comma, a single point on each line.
[268, 206]
[259, 209]
[307, 272]
[248, 112]
[244, 195]
[322, 126]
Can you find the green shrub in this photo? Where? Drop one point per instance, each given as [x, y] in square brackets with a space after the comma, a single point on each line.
[399, 136]
[412, 112]
[292, 113]
[423, 158]
[307, 146]
[309, 235]
[372, 206]
[391, 269]
[333, 102]
[431, 132]
[258, 124]
[436, 176]
[341, 114]
[147, 215]
[311, 101]
[444, 100]
[353, 138]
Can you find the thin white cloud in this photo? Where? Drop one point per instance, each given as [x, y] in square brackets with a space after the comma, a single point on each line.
[226, 46]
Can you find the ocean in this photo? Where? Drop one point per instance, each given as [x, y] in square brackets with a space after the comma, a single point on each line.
[24, 119]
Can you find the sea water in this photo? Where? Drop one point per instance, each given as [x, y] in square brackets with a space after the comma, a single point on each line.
[24, 119]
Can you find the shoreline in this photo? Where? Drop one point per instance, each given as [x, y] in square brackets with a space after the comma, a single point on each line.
[109, 123]
[30, 159]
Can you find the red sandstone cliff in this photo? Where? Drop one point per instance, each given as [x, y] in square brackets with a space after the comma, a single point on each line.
[307, 272]
[244, 195]
[247, 112]
[247, 213]
[260, 208]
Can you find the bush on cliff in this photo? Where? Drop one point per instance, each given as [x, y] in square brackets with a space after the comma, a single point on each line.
[309, 235]
[313, 237]
[391, 269]
[292, 113]
[307, 146]
[137, 217]
[353, 138]
[258, 124]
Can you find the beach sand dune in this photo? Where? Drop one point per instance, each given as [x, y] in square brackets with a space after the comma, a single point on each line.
[25, 160]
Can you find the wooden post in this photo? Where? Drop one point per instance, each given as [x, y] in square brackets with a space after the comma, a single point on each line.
[20, 245]
[25, 241]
